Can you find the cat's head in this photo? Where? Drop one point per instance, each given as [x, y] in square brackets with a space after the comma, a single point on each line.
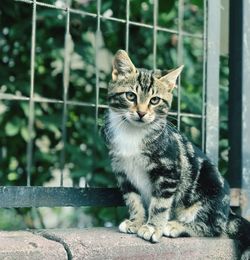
[140, 96]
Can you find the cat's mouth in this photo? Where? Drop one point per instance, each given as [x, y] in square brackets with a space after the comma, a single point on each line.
[138, 121]
[135, 120]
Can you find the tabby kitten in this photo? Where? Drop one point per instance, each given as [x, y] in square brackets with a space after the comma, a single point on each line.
[170, 187]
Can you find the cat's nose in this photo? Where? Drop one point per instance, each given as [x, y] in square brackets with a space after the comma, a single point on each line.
[141, 114]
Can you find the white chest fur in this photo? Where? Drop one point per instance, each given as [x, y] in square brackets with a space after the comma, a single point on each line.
[127, 147]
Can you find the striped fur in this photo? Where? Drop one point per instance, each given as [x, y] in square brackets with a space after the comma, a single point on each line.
[170, 187]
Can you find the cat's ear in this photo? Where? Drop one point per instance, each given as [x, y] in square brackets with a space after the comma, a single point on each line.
[171, 78]
[122, 65]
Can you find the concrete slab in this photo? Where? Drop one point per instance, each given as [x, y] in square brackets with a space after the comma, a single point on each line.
[107, 243]
[22, 245]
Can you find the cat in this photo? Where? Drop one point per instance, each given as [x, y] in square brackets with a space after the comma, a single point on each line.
[171, 188]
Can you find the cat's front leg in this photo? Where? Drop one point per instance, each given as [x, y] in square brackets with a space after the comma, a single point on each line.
[135, 206]
[136, 212]
[158, 216]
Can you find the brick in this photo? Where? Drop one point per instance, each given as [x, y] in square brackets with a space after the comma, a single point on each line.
[22, 245]
[108, 243]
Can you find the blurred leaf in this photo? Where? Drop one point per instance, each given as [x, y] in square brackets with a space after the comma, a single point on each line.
[25, 133]
[11, 129]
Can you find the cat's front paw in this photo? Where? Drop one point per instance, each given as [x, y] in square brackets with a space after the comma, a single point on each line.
[246, 254]
[128, 226]
[150, 233]
[173, 229]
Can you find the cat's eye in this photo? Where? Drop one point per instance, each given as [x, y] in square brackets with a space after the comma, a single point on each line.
[131, 96]
[155, 100]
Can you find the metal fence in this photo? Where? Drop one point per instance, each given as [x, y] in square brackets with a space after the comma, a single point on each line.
[34, 196]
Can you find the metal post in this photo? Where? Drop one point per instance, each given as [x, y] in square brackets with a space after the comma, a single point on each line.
[239, 107]
[66, 74]
[31, 100]
[179, 57]
[127, 25]
[235, 94]
[246, 112]
[203, 113]
[155, 19]
[212, 80]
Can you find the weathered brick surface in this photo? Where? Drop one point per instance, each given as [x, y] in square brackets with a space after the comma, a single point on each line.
[22, 245]
[103, 243]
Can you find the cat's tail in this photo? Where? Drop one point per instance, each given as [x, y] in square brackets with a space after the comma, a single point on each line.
[239, 228]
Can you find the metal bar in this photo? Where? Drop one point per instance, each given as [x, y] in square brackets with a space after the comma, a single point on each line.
[239, 108]
[212, 80]
[180, 58]
[22, 197]
[38, 99]
[235, 93]
[26, 197]
[5, 96]
[97, 59]
[31, 101]
[98, 41]
[162, 29]
[66, 75]
[43, 4]
[245, 113]
[127, 25]
[155, 22]
[203, 120]
[76, 103]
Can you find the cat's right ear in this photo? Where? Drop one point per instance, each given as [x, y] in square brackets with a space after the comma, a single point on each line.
[122, 65]
[171, 78]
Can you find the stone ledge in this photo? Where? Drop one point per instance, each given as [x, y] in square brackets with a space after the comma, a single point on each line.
[22, 245]
[108, 243]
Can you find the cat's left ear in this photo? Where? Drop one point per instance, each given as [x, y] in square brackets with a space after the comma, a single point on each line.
[171, 78]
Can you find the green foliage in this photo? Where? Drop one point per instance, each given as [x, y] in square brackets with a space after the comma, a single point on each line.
[11, 220]
[85, 154]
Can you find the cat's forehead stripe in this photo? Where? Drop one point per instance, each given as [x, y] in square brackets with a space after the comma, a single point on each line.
[145, 80]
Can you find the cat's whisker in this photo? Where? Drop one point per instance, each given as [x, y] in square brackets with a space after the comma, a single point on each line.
[121, 123]
[118, 115]
[172, 117]
[170, 124]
